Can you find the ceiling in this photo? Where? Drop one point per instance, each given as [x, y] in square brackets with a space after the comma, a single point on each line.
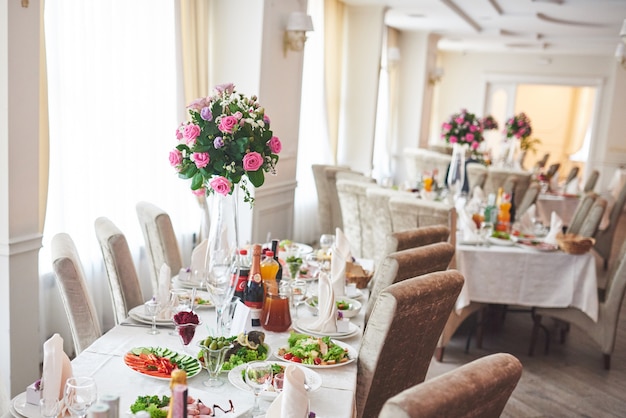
[580, 27]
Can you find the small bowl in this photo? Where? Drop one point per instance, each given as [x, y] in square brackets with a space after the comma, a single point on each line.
[355, 306]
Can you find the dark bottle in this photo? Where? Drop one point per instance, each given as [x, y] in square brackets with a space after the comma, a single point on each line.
[279, 273]
[244, 270]
[254, 293]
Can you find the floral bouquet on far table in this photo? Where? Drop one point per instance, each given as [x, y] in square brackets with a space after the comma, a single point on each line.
[489, 123]
[227, 141]
[463, 128]
[518, 126]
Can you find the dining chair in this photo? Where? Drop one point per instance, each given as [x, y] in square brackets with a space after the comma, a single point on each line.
[604, 237]
[476, 175]
[592, 221]
[160, 240]
[571, 176]
[400, 337]
[581, 213]
[480, 388]
[543, 161]
[124, 283]
[416, 237]
[418, 160]
[604, 330]
[402, 265]
[553, 169]
[408, 212]
[529, 199]
[70, 278]
[590, 184]
[324, 211]
[356, 214]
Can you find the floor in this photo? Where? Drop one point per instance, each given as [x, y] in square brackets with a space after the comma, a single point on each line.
[569, 381]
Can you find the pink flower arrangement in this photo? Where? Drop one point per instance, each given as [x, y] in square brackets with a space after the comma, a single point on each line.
[518, 126]
[226, 141]
[463, 128]
[489, 123]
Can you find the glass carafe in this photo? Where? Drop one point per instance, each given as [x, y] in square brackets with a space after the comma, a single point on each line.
[275, 315]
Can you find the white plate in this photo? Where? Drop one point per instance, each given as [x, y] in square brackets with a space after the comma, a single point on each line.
[185, 282]
[303, 249]
[194, 367]
[301, 325]
[348, 313]
[24, 408]
[537, 245]
[138, 313]
[352, 354]
[311, 378]
[503, 242]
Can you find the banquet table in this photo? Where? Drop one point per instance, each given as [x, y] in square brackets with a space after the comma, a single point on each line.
[511, 275]
[563, 205]
[103, 360]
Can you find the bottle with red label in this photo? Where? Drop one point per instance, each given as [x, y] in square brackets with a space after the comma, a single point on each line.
[254, 292]
[244, 271]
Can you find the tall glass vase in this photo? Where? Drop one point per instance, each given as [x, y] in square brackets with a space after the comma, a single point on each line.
[222, 249]
[456, 171]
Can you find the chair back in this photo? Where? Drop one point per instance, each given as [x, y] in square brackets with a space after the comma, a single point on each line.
[592, 221]
[613, 299]
[590, 184]
[480, 388]
[529, 198]
[356, 214]
[408, 317]
[581, 213]
[402, 265]
[552, 170]
[417, 237]
[118, 261]
[419, 160]
[70, 277]
[604, 238]
[572, 175]
[410, 212]
[327, 203]
[160, 239]
[476, 175]
[497, 178]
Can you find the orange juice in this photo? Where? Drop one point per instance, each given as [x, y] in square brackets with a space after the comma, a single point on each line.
[428, 184]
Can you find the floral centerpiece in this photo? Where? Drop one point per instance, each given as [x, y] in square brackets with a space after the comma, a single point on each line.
[463, 128]
[489, 123]
[226, 142]
[518, 126]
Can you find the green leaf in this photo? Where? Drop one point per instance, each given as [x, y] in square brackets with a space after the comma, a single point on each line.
[197, 181]
[257, 178]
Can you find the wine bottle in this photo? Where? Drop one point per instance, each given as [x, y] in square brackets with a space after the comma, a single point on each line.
[244, 270]
[254, 291]
[178, 401]
[275, 249]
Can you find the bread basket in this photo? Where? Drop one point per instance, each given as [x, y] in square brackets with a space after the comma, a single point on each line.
[355, 274]
[574, 243]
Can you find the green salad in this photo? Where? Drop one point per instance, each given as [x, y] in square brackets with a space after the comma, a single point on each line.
[152, 404]
[318, 351]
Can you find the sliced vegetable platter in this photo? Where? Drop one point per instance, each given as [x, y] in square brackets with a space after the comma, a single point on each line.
[159, 362]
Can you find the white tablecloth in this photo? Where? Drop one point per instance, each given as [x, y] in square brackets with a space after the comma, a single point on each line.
[519, 276]
[564, 206]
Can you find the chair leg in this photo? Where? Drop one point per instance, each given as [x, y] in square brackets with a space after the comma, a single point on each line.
[607, 361]
[439, 353]
[533, 335]
[606, 264]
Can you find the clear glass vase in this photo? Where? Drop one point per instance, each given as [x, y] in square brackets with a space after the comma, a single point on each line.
[456, 171]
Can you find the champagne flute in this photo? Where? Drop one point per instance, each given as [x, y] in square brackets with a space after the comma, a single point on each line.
[298, 294]
[152, 309]
[79, 394]
[258, 376]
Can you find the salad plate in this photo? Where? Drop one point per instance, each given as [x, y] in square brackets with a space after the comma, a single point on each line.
[138, 313]
[304, 325]
[158, 362]
[24, 408]
[311, 378]
[537, 245]
[501, 241]
[352, 355]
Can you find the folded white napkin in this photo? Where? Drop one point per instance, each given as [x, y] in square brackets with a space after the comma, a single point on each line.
[556, 225]
[479, 194]
[326, 321]
[341, 254]
[468, 227]
[56, 368]
[293, 401]
[198, 256]
[165, 284]
[526, 222]
[572, 186]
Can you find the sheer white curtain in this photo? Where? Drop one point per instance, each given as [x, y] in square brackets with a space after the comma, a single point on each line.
[114, 105]
[313, 145]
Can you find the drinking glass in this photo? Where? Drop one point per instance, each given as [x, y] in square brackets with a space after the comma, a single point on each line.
[79, 394]
[213, 360]
[327, 241]
[152, 309]
[298, 294]
[486, 229]
[258, 376]
[49, 407]
[278, 381]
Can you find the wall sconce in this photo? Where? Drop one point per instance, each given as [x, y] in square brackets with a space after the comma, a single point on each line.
[435, 76]
[622, 33]
[620, 54]
[298, 25]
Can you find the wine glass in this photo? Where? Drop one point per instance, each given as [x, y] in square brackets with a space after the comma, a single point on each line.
[326, 242]
[258, 376]
[486, 229]
[79, 394]
[152, 309]
[49, 407]
[298, 294]
[213, 359]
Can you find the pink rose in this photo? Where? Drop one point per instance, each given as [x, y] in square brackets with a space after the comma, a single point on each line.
[469, 137]
[227, 123]
[275, 145]
[453, 140]
[459, 120]
[179, 134]
[238, 115]
[252, 161]
[201, 159]
[473, 128]
[176, 157]
[199, 192]
[266, 119]
[221, 185]
[475, 145]
[446, 126]
[190, 133]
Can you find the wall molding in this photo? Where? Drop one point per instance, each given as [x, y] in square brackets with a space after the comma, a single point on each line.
[21, 244]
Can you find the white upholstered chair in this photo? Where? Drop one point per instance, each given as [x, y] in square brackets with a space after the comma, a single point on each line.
[480, 388]
[123, 280]
[70, 277]
[356, 216]
[160, 240]
[592, 221]
[419, 160]
[590, 184]
[476, 175]
[400, 337]
[529, 199]
[581, 213]
[604, 237]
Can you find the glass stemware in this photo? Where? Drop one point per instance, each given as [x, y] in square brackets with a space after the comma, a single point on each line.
[298, 294]
[326, 242]
[258, 376]
[79, 394]
[486, 229]
[152, 309]
[49, 407]
[213, 360]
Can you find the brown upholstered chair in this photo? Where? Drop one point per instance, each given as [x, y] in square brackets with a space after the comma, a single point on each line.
[604, 237]
[416, 237]
[118, 262]
[571, 176]
[590, 184]
[400, 337]
[552, 170]
[160, 240]
[70, 278]
[405, 264]
[480, 388]
[604, 330]
[529, 199]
